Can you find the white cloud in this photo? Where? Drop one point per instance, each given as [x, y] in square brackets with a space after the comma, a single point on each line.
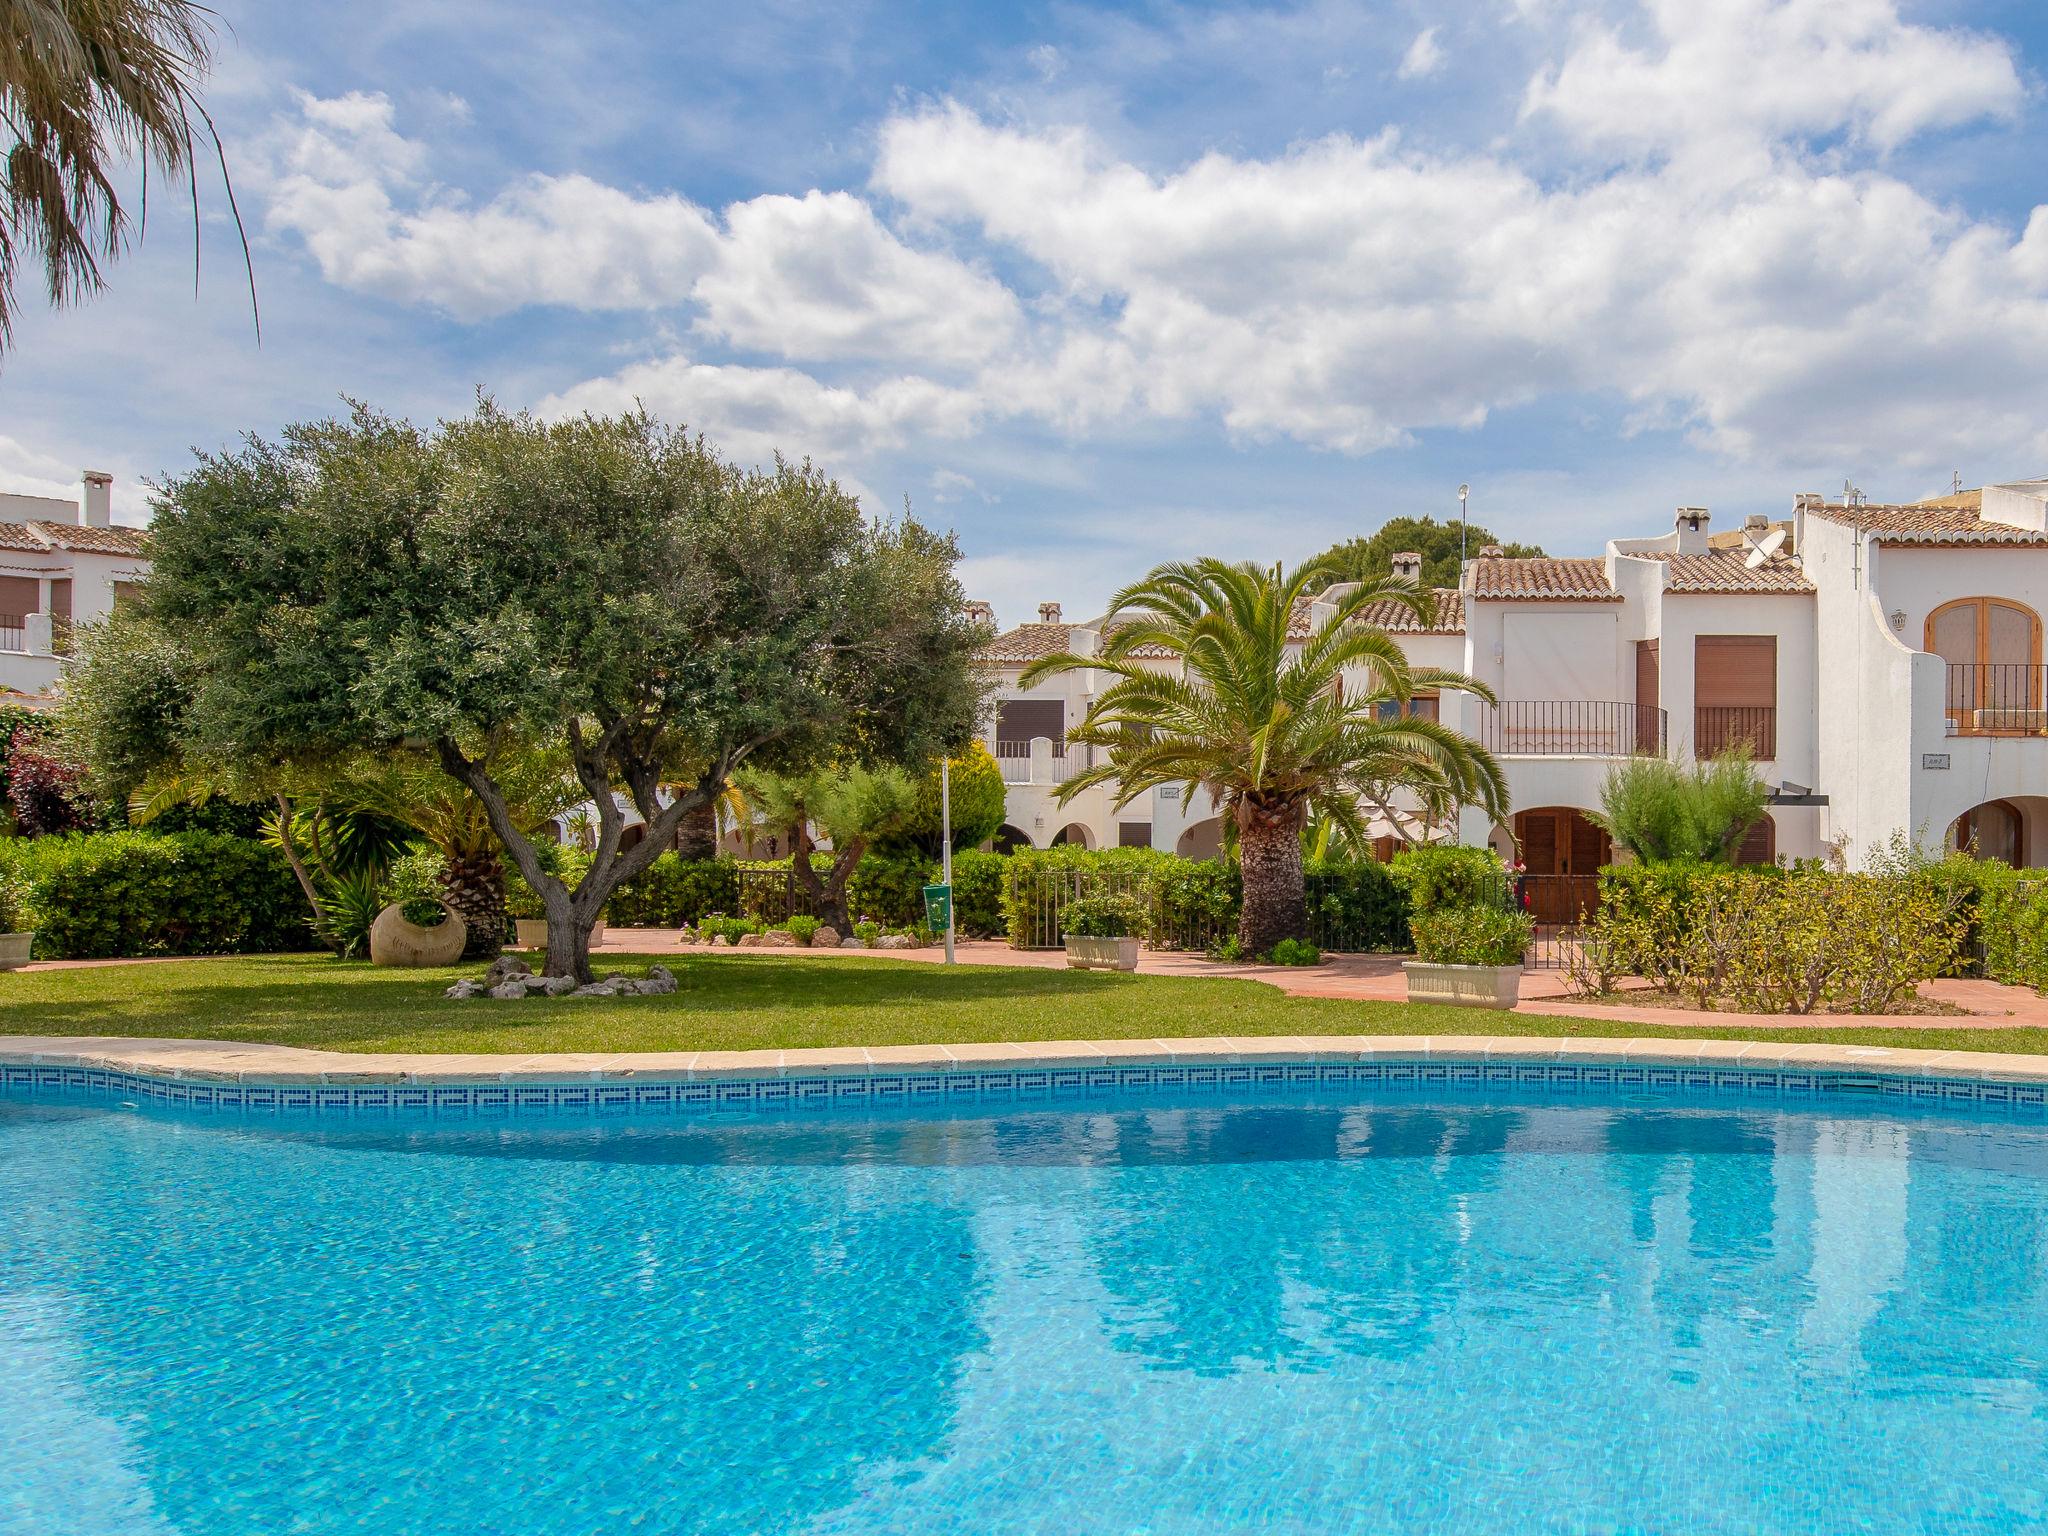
[1778, 68]
[1423, 58]
[1746, 264]
[753, 412]
[815, 277]
[949, 485]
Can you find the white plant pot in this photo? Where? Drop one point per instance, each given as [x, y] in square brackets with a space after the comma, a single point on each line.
[1468, 986]
[1102, 954]
[395, 941]
[14, 948]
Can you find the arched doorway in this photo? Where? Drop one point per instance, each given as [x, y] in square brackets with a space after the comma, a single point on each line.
[1993, 830]
[1760, 843]
[1993, 649]
[1008, 839]
[1073, 835]
[1203, 840]
[1561, 852]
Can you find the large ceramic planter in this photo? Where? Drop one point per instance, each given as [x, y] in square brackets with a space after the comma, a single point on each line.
[1469, 986]
[398, 942]
[14, 948]
[1101, 954]
[532, 933]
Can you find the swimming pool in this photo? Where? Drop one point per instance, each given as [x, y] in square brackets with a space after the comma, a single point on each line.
[1480, 1310]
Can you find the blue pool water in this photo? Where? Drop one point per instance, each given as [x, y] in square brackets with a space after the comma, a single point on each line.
[1459, 1314]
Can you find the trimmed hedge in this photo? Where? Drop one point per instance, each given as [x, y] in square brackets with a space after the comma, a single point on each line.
[101, 895]
[2007, 912]
[674, 890]
[978, 893]
[1194, 903]
[1450, 876]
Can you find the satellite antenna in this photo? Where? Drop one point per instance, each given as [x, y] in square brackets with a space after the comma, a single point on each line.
[1765, 550]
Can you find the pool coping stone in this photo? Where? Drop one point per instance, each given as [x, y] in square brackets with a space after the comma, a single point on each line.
[251, 1064]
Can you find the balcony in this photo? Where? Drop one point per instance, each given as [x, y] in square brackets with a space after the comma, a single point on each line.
[1572, 728]
[1750, 728]
[1998, 699]
[13, 632]
[1054, 761]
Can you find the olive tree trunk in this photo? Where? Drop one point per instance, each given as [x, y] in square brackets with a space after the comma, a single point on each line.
[1275, 893]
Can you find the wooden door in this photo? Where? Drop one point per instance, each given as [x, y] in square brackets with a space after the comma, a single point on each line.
[1649, 692]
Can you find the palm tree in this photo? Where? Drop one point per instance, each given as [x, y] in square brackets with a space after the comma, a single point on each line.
[85, 87]
[1274, 731]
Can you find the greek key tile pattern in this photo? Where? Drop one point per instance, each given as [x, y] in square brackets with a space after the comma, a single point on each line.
[1009, 1086]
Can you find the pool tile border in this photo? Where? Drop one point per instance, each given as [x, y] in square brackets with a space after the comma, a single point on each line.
[279, 1079]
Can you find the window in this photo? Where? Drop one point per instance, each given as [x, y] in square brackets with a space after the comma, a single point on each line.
[1423, 706]
[1134, 834]
[1735, 695]
[1993, 650]
[1020, 720]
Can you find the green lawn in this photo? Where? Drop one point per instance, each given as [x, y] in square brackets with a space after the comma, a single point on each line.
[737, 1002]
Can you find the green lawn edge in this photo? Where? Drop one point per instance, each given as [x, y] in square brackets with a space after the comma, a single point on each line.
[770, 1002]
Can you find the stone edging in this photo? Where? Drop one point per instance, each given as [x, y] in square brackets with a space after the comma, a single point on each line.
[236, 1062]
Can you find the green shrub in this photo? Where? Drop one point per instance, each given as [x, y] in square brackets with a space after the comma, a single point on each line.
[1195, 901]
[1296, 952]
[1446, 876]
[716, 927]
[1358, 905]
[978, 893]
[890, 887]
[105, 894]
[415, 883]
[802, 929]
[867, 930]
[1105, 917]
[1661, 811]
[1471, 935]
[673, 892]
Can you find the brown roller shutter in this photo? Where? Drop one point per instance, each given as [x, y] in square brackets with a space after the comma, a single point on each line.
[1735, 694]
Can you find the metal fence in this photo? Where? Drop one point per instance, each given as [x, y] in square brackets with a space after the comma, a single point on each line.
[1718, 728]
[1999, 699]
[1572, 728]
[1191, 922]
[12, 632]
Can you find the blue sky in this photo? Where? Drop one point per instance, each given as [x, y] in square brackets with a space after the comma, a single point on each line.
[1099, 285]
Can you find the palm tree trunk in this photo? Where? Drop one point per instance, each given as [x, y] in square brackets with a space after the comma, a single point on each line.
[474, 886]
[697, 837]
[1275, 894]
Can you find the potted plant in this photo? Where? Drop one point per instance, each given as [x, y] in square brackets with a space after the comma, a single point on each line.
[14, 947]
[1102, 933]
[1468, 954]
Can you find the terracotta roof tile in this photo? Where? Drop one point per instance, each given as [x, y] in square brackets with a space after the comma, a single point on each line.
[1925, 523]
[1390, 616]
[1727, 571]
[94, 541]
[41, 536]
[1545, 579]
[1028, 642]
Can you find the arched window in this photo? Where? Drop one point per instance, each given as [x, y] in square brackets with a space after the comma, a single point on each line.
[1993, 649]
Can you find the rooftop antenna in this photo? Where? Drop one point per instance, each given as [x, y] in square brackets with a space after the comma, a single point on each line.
[1463, 492]
[1852, 496]
[1956, 484]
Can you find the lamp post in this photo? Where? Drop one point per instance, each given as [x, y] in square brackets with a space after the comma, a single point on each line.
[946, 844]
[1463, 492]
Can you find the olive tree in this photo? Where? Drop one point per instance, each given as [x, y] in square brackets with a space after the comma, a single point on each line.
[609, 586]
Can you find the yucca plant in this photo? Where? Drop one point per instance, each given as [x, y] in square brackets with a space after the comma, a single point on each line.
[1273, 730]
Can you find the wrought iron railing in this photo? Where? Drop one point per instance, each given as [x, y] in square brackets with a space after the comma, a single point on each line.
[1997, 699]
[1751, 728]
[13, 632]
[1572, 728]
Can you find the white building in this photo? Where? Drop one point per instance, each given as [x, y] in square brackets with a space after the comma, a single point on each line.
[1883, 665]
[61, 563]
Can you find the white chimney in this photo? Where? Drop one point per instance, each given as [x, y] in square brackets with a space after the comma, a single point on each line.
[1492, 552]
[1048, 613]
[1408, 567]
[1692, 523]
[981, 612]
[99, 499]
